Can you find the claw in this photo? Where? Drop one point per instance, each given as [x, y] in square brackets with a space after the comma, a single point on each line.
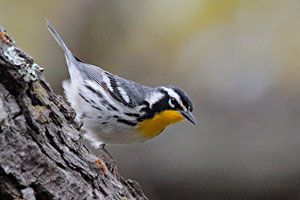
[3, 38]
[101, 165]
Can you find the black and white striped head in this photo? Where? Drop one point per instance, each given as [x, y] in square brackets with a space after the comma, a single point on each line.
[170, 98]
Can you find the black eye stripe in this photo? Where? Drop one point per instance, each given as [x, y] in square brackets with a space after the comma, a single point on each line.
[176, 104]
[186, 101]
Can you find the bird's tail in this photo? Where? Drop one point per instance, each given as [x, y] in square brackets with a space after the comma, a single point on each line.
[58, 39]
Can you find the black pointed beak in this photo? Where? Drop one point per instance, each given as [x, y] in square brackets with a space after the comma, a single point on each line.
[188, 116]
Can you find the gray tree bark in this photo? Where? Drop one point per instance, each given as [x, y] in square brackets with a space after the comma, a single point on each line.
[41, 152]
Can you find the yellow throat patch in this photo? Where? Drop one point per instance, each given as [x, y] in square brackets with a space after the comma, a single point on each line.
[150, 128]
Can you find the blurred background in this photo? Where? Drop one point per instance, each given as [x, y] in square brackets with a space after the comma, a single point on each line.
[238, 59]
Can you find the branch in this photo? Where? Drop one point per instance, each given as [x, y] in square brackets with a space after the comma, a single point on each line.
[41, 152]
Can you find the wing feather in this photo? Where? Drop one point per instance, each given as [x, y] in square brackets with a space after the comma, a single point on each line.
[126, 92]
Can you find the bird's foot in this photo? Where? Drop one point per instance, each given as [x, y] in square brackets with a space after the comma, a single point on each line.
[79, 125]
[3, 37]
[101, 165]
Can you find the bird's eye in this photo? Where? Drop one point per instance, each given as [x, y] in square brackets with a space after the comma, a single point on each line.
[173, 100]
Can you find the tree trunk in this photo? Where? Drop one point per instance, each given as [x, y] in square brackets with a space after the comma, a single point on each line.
[41, 151]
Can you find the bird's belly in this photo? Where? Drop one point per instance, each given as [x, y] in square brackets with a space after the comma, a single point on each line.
[108, 130]
[123, 136]
[111, 133]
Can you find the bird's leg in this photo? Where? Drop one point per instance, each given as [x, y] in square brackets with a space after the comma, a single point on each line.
[106, 162]
[4, 38]
[79, 125]
[100, 163]
[112, 162]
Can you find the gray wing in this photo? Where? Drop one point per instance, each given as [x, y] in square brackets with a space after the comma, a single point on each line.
[127, 92]
[124, 91]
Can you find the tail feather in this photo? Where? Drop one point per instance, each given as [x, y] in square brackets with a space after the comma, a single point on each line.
[59, 40]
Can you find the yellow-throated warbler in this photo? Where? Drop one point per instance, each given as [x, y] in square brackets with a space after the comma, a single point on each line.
[116, 110]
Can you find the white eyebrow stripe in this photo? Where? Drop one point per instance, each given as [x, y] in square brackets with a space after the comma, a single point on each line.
[173, 94]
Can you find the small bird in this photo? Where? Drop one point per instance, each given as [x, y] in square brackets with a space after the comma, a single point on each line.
[116, 110]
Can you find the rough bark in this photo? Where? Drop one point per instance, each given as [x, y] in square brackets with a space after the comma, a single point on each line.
[41, 151]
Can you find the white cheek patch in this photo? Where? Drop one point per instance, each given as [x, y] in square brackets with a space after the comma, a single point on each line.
[173, 94]
[154, 98]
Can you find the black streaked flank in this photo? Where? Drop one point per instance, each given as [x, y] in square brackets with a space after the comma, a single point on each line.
[96, 107]
[109, 106]
[126, 122]
[89, 101]
[132, 114]
[112, 107]
[94, 91]
[92, 101]
[85, 99]
[104, 102]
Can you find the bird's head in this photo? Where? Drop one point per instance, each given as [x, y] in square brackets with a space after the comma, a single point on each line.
[164, 106]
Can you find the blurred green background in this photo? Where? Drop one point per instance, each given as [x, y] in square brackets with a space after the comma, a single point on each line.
[238, 59]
